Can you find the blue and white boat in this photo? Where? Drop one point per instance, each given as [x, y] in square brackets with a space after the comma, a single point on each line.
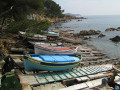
[51, 62]
[52, 33]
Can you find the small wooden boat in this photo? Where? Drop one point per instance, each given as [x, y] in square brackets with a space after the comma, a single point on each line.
[36, 37]
[33, 43]
[44, 49]
[51, 62]
[52, 33]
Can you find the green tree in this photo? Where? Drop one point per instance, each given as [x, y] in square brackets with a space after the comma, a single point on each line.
[29, 26]
[52, 9]
[18, 9]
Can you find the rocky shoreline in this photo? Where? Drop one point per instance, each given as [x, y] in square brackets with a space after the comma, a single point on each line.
[90, 56]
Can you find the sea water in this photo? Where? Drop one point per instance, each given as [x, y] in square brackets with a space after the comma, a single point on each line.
[97, 22]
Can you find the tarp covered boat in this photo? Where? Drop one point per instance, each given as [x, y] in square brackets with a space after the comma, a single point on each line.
[51, 62]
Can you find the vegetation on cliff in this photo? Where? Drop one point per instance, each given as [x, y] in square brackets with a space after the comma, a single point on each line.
[52, 9]
[16, 11]
[29, 26]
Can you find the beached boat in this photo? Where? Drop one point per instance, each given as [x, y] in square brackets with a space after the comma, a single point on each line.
[36, 37]
[33, 43]
[51, 62]
[45, 49]
[52, 33]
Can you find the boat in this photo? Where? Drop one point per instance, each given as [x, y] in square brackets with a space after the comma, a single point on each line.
[35, 37]
[52, 33]
[53, 49]
[43, 43]
[51, 62]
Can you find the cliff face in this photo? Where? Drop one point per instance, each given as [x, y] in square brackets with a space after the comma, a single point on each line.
[64, 18]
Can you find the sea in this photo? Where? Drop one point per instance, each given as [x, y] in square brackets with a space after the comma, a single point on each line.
[96, 22]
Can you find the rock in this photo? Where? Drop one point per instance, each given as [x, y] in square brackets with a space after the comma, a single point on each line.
[110, 29]
[86, 37]
[101, 35]
[79, 20]
[82, 18]
[90, 32]
[115, 39]
[118, 28]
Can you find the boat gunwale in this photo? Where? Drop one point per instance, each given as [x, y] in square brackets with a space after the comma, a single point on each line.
[52, 62]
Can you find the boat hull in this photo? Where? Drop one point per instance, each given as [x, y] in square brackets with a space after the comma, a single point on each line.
[41, 50]
[32, 65]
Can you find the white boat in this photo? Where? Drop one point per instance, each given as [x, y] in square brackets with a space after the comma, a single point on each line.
[37, 37]
[52, 33]
[53, 49]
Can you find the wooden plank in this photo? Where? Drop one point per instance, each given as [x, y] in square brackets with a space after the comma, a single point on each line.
[48, 87]
[41, 78]
[84, 70]
[96, 76]
[89, 84]
[79, 79]
[68, 75]
[97, 82]
[62, 76]
[86, 53]
[84, 78]
[85, 50]
[72, 73]
[59, 85]
[55, 86]
[91, 58]
[55, 76]
[30, 79]
[48, 77]
[76, 72]
[80, 86]
[26, 86]
[108, 74]
[42, 87]
[68, 88]
[81, 72]
[88, 70]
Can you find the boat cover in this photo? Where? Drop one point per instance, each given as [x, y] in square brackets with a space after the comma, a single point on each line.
[54, 58]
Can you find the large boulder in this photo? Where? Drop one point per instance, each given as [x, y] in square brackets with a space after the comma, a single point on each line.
[115, 39]
[118, 29]
[101, 35]
[90, 32]
[110, 29]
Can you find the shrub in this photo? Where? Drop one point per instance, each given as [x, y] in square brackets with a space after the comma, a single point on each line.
[30, 26]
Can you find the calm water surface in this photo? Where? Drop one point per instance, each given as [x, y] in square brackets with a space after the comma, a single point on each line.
[99, 22]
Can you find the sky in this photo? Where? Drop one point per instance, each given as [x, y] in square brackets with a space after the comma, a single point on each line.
[90, 7]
